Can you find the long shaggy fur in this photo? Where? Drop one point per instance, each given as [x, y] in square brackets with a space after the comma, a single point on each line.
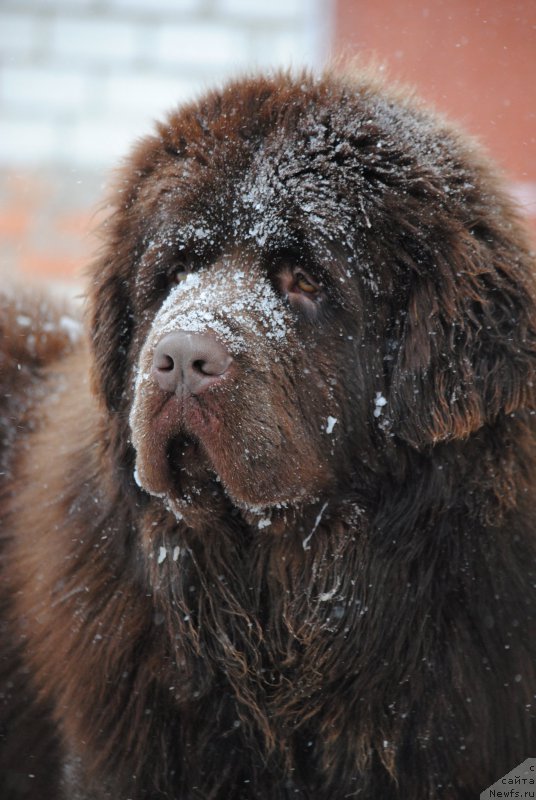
[317, 579]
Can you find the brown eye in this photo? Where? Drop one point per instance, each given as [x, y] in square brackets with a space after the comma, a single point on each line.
[300, 289]
[304, 283]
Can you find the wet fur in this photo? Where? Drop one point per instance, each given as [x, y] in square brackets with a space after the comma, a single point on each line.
[376, 639]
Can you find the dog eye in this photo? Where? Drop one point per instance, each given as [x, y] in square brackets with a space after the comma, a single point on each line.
[180, 276]
[303, 292]
[303, 283]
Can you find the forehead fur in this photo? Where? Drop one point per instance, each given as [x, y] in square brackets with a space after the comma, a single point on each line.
[273, 162]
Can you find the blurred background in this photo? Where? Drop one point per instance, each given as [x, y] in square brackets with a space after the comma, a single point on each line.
[80, 80]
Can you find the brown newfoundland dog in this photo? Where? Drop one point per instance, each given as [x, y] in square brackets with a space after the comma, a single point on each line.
[270, 534]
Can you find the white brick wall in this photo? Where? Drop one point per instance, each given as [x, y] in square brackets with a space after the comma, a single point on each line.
[18, 35]
[93, 42]
[29, 91]
[202, 45]
[80, 79]
[168, 7]
[276, 10]
[26, 143]
[122, 92]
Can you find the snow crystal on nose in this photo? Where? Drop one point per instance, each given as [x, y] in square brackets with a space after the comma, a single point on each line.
[222, 301]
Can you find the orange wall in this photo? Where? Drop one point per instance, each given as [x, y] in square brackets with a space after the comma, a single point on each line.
[474, 59]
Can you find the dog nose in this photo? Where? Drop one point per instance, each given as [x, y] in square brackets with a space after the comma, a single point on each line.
[189, 362]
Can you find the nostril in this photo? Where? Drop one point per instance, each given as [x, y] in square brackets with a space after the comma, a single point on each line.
[200, 365]
[164, 363]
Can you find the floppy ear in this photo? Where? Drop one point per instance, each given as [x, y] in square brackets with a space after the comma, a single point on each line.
[467, 349]
[111, 328]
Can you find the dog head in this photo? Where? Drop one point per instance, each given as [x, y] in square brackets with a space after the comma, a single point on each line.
[302, 275]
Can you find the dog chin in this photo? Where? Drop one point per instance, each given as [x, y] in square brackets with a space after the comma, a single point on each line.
[184, 475]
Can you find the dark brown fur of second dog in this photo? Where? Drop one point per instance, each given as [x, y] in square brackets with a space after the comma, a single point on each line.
[373, 637]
